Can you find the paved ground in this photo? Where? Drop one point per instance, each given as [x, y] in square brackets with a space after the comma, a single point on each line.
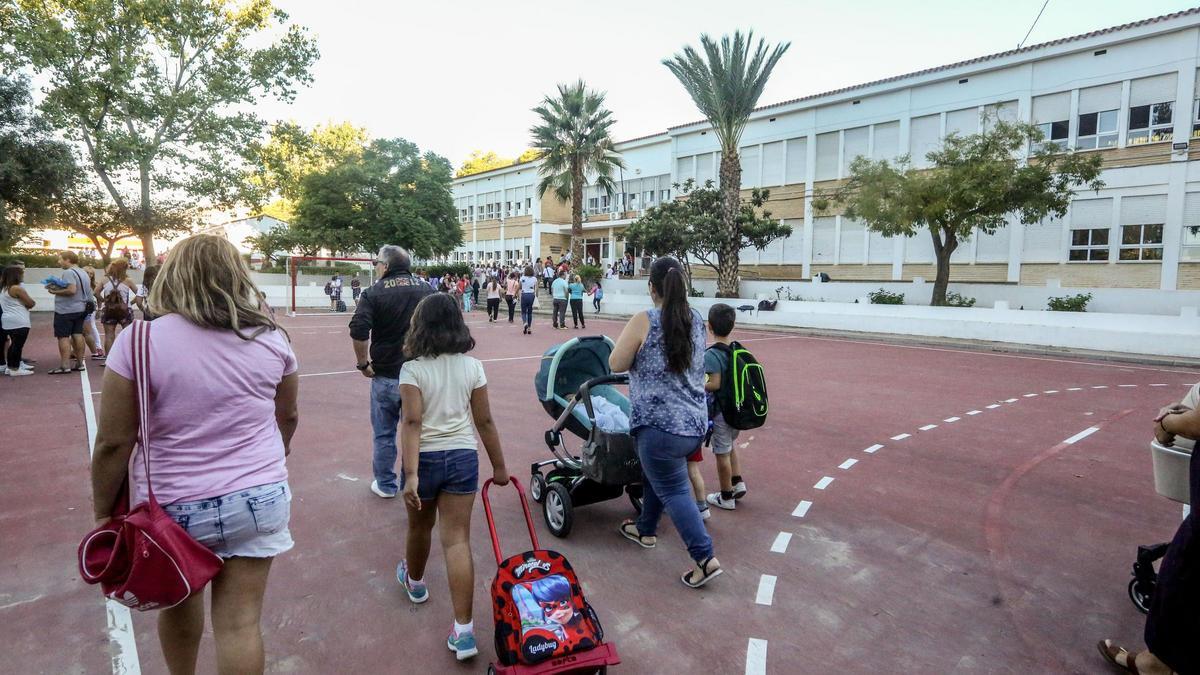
[871, 540]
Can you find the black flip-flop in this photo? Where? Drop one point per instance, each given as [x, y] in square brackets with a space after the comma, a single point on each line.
[59, 371]
[709, 575]
[632, 534]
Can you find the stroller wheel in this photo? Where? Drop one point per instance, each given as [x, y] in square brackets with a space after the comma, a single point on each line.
[635, 497]
[557, 510]
[537, 487]
[1140, 593]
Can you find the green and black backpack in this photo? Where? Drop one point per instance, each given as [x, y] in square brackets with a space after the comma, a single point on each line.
[742, 397]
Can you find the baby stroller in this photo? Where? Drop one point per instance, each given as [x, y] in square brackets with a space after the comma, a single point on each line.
[607, 464]
[1171, 465]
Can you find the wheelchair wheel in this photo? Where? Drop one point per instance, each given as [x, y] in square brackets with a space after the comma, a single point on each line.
[537, 487]
[557, 510]
[1140, 593]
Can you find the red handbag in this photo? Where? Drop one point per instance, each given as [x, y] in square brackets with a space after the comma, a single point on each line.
[141, 557]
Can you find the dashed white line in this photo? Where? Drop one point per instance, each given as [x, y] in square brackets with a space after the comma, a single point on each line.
[873, 449]
[1075, 389]
[122, 645]
[1050, 391]
[927, 427]
[900, 437]
[756, 657]
[781, 542]
[1029, 395]
[848, 463]
[1010, 400]
[1081, 435]
[823, 483]
[1100, 386]
[1126, 386]
[976, 412]
[951, 420]
[1159, 385]
[766, 590]
[802, 508]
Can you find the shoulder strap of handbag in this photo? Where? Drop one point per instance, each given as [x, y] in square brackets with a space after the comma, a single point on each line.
[141, 381]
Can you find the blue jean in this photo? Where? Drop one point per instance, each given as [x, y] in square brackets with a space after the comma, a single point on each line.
[248, 523]
[664, 462]
[527, 309]
[385, 418]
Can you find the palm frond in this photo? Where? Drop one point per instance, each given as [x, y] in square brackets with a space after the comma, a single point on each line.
[574, 130]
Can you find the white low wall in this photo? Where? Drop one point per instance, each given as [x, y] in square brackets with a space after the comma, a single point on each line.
[1031, 298]
[1174, 336]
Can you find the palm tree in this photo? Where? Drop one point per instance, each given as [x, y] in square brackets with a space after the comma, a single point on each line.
[573, 142]
[725, 84]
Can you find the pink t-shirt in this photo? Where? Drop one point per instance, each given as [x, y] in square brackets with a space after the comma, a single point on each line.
[212, 409]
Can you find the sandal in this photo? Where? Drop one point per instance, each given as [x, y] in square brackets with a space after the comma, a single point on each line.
[1110, 652]
[78, 367]
[629, 531]
[59, 371]
[706, 574]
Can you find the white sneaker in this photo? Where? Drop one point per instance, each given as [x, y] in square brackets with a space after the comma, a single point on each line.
[3, 369]
[716, 500]
[27, 366]
[379, 492]
[739, 489]
[705, 513]
[19, 372]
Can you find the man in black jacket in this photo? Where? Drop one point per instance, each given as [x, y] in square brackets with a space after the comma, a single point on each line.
[378, 328]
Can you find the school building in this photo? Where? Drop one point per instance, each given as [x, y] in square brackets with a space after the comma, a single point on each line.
[1130, 93]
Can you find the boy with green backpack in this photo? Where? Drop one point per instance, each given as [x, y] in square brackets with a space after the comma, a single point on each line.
[737, 400]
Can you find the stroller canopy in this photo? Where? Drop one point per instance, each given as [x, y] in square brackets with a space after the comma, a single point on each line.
[565, 368]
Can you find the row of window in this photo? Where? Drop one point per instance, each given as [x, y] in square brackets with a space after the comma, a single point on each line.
[1138, 242]
[506, 209]
[624, 201]
[1152, 123]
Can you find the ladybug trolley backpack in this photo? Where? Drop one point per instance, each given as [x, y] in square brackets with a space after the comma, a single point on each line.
[543, 622]
[742, 398]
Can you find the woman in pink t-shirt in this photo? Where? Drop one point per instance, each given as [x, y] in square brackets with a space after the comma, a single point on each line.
[223, 387]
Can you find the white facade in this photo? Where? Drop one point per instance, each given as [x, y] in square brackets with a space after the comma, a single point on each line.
[1128, 92]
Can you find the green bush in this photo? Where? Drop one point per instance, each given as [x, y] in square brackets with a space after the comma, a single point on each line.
[318, 270]
[882, 297]
[958, 300]
[1069, 303]
[457, 269]
[45, 260]
[590, 274]
[696, 293]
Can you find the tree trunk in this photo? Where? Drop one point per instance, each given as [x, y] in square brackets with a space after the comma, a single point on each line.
[730, 248]
[576, 213]
[145, 228]
[943, 251]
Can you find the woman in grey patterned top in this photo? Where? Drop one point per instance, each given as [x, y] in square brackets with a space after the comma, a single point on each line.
[663, 350]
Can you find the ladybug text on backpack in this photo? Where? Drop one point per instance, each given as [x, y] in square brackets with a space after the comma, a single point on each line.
[742, 398]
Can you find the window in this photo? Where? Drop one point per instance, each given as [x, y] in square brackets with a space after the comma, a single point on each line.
[1089, 245]
[593, 204]
[507, 209]
[1141, 242]
[1150, 123]
[1055, 134]
[1097, 130]
[648, 198]
[1196, 118]
[664, 196]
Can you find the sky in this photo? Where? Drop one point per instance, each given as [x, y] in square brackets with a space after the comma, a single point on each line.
[460, 75]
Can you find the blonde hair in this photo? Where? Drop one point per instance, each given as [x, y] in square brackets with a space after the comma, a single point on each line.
[205, 281]
[118, 269]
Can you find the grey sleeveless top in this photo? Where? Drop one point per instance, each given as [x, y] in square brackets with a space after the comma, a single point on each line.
[670, 402]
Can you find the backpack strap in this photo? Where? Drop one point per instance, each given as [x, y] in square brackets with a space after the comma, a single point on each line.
[141, 378]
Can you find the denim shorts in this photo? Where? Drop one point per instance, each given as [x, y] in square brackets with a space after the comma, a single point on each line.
[454, 472]
[249, 523]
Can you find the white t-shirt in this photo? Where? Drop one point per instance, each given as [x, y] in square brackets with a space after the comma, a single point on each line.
[446, 383]
[529, 284]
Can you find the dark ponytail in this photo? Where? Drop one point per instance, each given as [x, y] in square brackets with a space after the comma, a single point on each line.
[666, 276]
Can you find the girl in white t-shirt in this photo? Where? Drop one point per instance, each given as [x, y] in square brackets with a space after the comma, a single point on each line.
[443, 391]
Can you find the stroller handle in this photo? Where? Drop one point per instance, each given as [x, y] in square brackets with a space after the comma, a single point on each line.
[487, 511]
[585, 390]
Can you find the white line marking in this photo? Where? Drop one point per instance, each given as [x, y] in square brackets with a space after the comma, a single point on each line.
[1010, 400]
[976, 412]
[823, 483]
[1050, 391]
[1030, 395]
[121, 643]
[1081, 435]
[345, 477]
[756, 657]
[927, 427]
[1126, 386]
[335, 372]
[1159, 385]
[874, 448]
[802, 509]
[26, 601]
[781, 542]
[766, 590]
[990, 407]
[1100, 386]
[900, 437]
[951, 420]
[848, 463]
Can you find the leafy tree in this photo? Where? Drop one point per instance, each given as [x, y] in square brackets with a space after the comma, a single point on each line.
[35, 169]
[689, 228]
[974, 185]
[574, 141]
[291, 153]
[480, 161]
[86, 210]
[726, 84]
[390, 194]
[271, 243]
[160, 92]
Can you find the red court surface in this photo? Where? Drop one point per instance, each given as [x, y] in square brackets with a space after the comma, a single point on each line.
[984, 544]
